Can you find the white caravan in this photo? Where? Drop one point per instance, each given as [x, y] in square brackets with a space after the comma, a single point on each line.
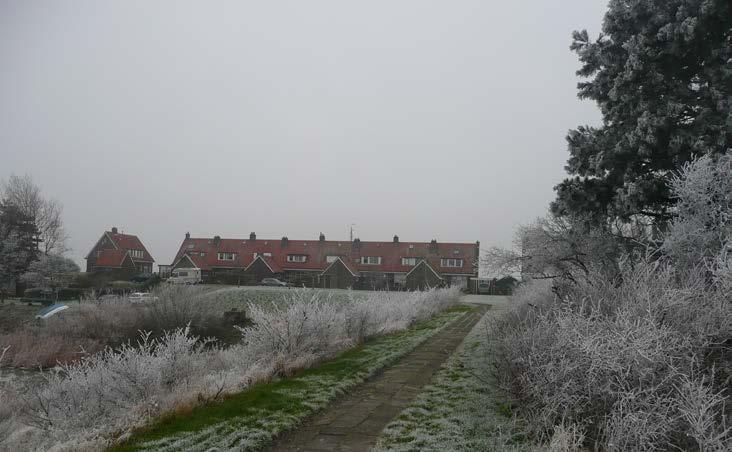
[185, 276]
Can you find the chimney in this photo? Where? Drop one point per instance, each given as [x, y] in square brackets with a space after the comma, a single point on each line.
[396, 239]
[252, 236]
[284, 242]
[114, 229]
[433, 246]
[217, 240]
[188, 235]
[357, 243]
[322, 237]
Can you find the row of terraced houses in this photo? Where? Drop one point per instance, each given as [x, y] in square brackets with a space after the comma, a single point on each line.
[313, 263]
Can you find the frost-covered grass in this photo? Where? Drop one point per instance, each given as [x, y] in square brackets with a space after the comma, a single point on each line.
[105, 396]
[460, 410]
[250, 419]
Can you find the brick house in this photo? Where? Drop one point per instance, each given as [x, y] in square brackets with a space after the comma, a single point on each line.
[115, 251]
[327, 263]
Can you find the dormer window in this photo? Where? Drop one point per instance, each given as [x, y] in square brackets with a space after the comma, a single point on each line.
[371, 260]
[226, 256]
[451, 263]
[137, 253]
[409, 261]
[331, 259]
[297, 258]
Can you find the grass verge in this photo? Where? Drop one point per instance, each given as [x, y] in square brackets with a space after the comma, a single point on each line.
[460, 410]
[250, 419]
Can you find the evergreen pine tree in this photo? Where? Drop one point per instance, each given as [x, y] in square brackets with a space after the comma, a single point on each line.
[661, 73]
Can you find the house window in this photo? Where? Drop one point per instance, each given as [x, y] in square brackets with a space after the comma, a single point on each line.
[371, 260]
[331, 259]
[410, 261]
[226, 256]
[296, 258]
[451, 262]
[202, 254]
[99, 253]
[136, 253]
[256, 255]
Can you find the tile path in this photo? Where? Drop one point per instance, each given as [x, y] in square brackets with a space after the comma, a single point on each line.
[354, 421]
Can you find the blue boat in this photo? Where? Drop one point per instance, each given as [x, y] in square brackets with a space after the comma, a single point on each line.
[51, 310]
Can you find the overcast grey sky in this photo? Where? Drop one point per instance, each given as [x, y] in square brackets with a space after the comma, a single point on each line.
[427, 119]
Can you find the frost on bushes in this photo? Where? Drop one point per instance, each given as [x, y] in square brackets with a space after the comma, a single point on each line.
[641, 361]
[90, 327]
[105, 395]
[617, 360]
[702, 229]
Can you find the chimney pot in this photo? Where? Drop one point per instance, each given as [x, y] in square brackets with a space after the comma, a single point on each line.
[217, 240]
[188, 235]
[252, 236]
[114, 229]
[285, 242]
[396, 239]
[322, 237]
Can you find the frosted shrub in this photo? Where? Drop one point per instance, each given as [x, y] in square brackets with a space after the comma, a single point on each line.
[618, 358]
[300, 334]
[703, 225]
[98, 400]
[89, 327]
[640, 361]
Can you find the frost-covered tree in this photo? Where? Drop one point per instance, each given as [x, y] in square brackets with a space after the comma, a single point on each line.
[557, 247]
[45, 214]
[50, 272]
[661, 73]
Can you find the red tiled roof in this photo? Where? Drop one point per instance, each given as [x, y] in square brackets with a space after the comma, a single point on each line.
[110, 258]
[130, 242]
[316, 251]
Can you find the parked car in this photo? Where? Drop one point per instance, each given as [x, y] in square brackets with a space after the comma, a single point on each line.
[141, 297]
[273, 282]
[186, 276]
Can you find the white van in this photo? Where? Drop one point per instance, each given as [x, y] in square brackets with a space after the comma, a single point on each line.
[185, 276]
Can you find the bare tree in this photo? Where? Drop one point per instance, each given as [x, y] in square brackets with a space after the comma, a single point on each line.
[556, 247]
[50, 271]
[22, 193]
